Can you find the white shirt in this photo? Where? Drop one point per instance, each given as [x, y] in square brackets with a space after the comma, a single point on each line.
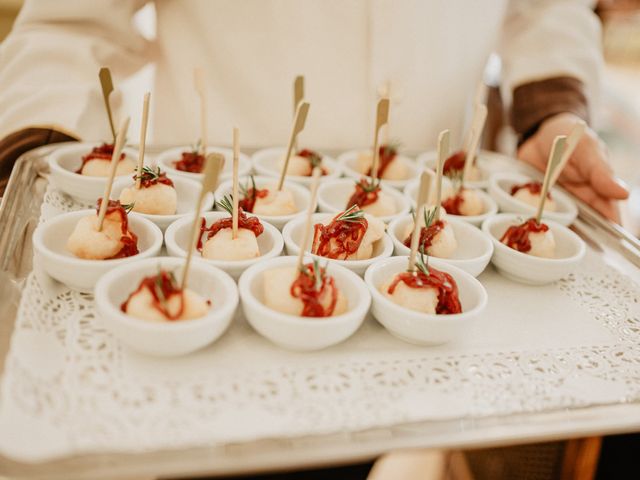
[430, 53]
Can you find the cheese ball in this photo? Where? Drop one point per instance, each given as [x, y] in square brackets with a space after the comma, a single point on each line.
[140, 305]
[158, 199]
[298, 166]
[90, 244]
[543, 244]
[396, 170]
[443, 244]
[423, 300]
[533, 199]
[472, 204]
[222, 246]
[384, 206]
[375, 232]
[277, 202]
[100, 168]
[277, 293]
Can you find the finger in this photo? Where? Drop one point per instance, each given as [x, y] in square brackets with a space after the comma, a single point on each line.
[604, 205]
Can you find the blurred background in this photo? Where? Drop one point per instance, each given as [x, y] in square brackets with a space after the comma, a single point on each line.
[618, 122]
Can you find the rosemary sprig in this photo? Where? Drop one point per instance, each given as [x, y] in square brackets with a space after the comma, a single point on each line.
[227, 204]
[245, 189]
[317, 273]
[368, 186]
[128, 207]
[421, 263]
[195, 149]
[149, 173]
[429, 215]
[351, 214]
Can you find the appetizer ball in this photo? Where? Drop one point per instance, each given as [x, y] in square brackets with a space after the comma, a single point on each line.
[543, 244]
[277, 293]
[533, 199]
[384, 206]
[466, 202]
[439, 238]
[532, 238]
[100, 168]
[275, 203]
[424, 300]
[394, 169]
[142, 305]
[158, 199]
[222, 246]
[90, 244]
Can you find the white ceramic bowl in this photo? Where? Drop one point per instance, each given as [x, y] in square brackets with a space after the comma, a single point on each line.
[500, 190]
[168, 338]
[333, 197]
[177, 236]
[422, 328]
[50, 239]
[429, 159]
[525, 268]
[294, 230]
[300, 194]
[349, 162]
[474, 246]
[65, 161]
[187, 191]
[166, 160]
[302, 333]
[265, 162]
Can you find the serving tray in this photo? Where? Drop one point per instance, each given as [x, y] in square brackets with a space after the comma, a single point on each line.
[543, 362]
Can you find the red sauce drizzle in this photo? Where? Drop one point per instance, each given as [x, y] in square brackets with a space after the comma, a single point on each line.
[455, 163]
[102, 152]
[129, 239]
[448, 301]
[517, 236]
[192, 162]
[244, 221]
[161, 287]
[535, 188]
[249, 201]
[364, 194]
[452, 204]
[427, 234]
[149, 180]
[346, 235]
[386, 154]
[315, 160]
[304, 288]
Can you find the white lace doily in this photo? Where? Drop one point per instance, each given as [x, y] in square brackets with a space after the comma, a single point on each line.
[69, 387]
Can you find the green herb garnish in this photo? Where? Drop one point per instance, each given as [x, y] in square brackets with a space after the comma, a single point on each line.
[351, 214]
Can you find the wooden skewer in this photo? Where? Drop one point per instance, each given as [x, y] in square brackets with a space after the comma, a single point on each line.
[554, 159]
[477, 126]
[443, 153]
[106, 82]
[423, 195]
[572, 142]
[143, 138]
[298, 96]
[212, 167]
[298, 125]
[115, 158]
[235, 194]
[315, 181]
[201, 88]
[382, 118]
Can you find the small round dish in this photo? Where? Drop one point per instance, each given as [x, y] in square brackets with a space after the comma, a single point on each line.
[421, 328]
[300, 194]
[301, 333]
[428, 159]
[524, 268]
[333, 197]
[349, 162]
[170, 338]
[265, 162]
[50, 239]
[474, 246]
[294, 230]
[166, 160]
[187, 192]
[176, 238]
[500, 190]
[65, 161]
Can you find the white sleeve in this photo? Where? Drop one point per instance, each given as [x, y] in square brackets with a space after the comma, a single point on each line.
[551, 38]
[49, 64]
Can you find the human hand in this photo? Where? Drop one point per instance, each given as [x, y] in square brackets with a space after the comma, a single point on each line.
[587, 175]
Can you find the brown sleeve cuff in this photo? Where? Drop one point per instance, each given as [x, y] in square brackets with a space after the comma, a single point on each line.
[17, 143]
[534, 102]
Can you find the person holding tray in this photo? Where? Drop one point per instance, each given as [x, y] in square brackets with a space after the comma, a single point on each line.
[428, 56]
